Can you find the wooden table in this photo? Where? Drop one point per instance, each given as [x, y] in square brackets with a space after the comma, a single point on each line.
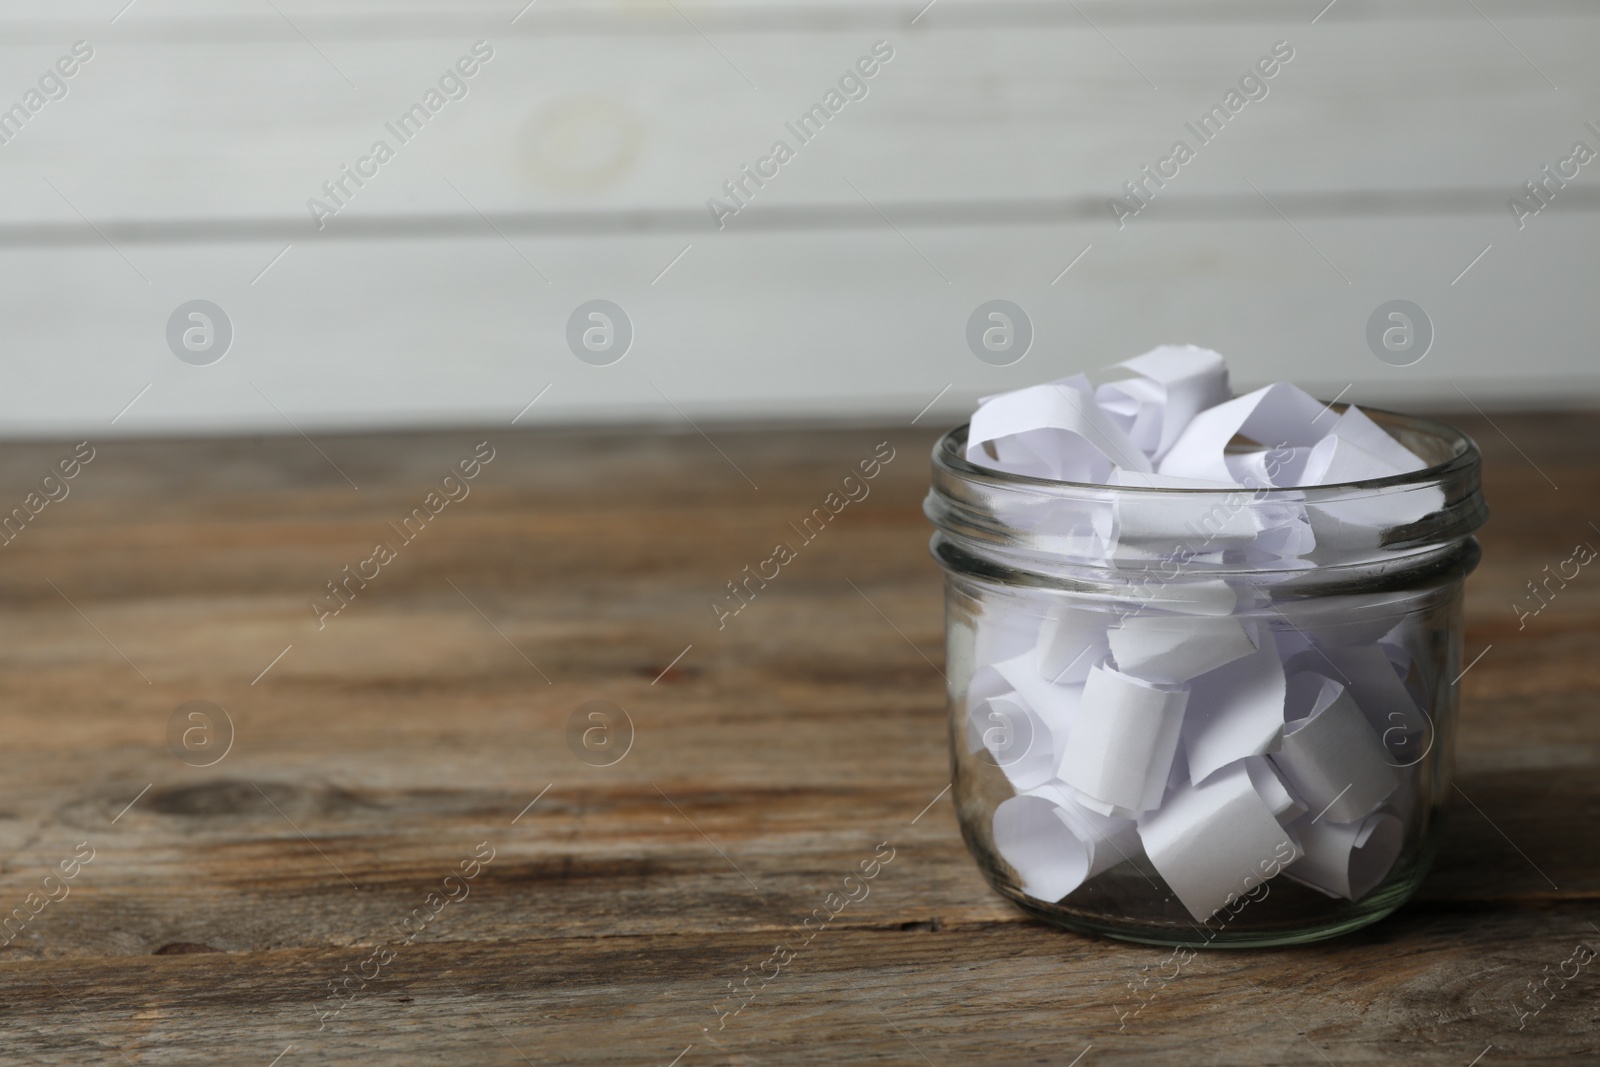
[599, 914]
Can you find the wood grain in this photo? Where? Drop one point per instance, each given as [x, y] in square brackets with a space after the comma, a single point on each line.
[773, 756]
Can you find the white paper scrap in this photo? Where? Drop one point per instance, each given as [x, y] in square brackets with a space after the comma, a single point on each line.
[1054, 431]
[1120, 748]
[1216, 841]
[1020, 742]
[1284, 805]
[1055, 845]
[1358, 429]
[1166, 521]
[1174, 384]
[1347, 859]
[1056, 704]
[1331, 758]
[1371, 678]
[1235, 711]
[1070, 644]
[1275, 416]
[1171, 649]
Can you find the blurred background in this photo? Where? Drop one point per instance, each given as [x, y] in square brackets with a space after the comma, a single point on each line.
[539, 157]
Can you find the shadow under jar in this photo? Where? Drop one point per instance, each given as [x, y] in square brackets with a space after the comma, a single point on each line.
[1184, 716]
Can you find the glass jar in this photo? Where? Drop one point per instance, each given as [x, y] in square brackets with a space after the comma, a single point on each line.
[1196, 715]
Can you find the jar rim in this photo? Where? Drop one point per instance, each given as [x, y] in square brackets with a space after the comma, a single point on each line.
[950, 450]
[1040, 525]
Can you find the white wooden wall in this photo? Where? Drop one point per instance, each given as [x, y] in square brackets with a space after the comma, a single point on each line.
[978, 166]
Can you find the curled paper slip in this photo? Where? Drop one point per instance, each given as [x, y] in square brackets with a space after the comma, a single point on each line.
[1347, 859]
[1353, 426]
[1280, 467]
[1159, 525]
[1056, 704]
[1275, 416]
[1055, 845]
[1051, 431]
[1370, 678]
[1171, 649]
[1285, 807]
[1334, 460]
[1331, 758]
[1021, 743]
[1119, 751]
[1201, 596]
[1214, 842]
[1235, 711]
[1071, 644]
[1173, 383]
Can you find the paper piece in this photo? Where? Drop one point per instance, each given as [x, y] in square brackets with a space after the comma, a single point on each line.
[1355, 427]
[1284, 805]
[1174, 383]
[1171, 649]
[1160, 524]
[1274, 416]
[1334, 460]
[1370, 677]
[1070, 644]
[1331, 758]
[1235, 711]
[1056, 704]
[1019, 741]
[1002, 634]
[1216, 841]
[1263, 468]
[1119, 751]
[1055, 845]
[1347, 859]
[1051, 431]
[1189, 596]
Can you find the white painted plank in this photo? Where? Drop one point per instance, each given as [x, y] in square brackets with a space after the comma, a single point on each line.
[449, 331]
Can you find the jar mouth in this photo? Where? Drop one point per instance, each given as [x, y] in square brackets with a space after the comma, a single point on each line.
[1031, 522]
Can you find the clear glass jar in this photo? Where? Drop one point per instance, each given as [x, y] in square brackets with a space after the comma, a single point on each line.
[1224, 717]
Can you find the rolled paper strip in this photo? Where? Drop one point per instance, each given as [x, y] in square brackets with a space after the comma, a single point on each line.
[1214, 842]
[1051, 431]
[1021, 743]
[1331, 758]
[1056, 704]
[1070, 644]
[1284, 805]
[1354, 427]
[1371, 679]
[1174, 384]
[1411, 647]
[1201, 596]
[1334, 460]
[1055, 844]
[1268, 468]
[1141, 523]
[1235, 711]
[1120, 748]
[1347, 859]
[1275, 416]
[1171, 649]
[1137, 406]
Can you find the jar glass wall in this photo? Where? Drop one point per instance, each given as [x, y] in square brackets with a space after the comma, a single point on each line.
[1224, 717]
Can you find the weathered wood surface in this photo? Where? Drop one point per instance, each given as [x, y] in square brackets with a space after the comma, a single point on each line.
[377, 754]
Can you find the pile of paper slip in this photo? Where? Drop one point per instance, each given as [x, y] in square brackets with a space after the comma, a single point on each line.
[1227, 738]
